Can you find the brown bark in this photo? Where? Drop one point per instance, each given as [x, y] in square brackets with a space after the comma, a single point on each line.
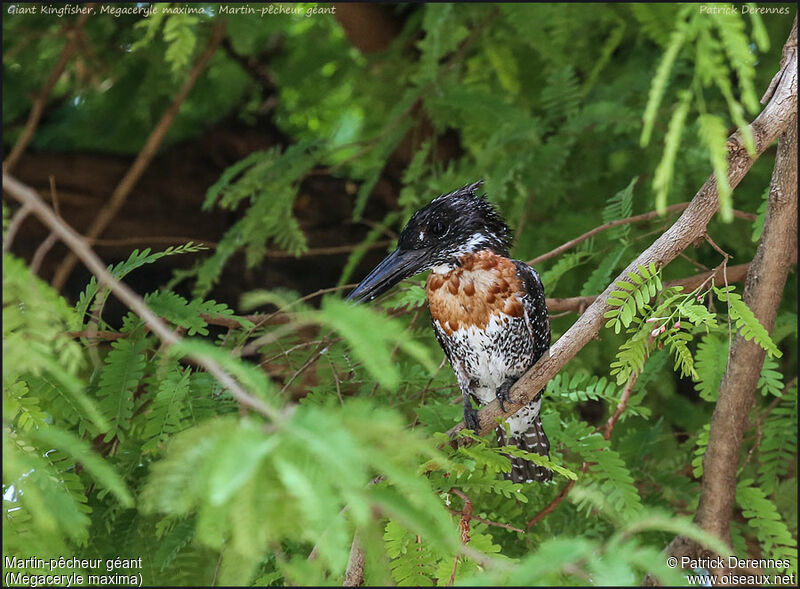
[354, 574]
[766, 277]
[762, 292]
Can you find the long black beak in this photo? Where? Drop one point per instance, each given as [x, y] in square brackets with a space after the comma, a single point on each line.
[398, 265]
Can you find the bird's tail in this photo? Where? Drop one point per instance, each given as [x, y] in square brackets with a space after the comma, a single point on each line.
[533, 440]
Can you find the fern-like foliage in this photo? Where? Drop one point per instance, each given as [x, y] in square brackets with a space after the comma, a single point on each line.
[661, 78]
[599, 277]
[700, 452]
[135, 260]
[190, 314]
[620, 206]
[746, 322]
[761, 213]
[224, 495]
[778, 445]
[632, 297]
[169, 410]
[764, 518]
[268, 181]
[770, 381]
[181, 38]
[581, 387]
[608, 474]
[565, 263]
[711, 360]
[123, 370]
[413, 563]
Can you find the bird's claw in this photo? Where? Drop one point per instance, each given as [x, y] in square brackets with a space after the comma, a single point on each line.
[503, 396]
[471, 419]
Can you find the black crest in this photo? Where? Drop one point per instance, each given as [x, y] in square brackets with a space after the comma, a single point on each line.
[457, 223]
[438, 235]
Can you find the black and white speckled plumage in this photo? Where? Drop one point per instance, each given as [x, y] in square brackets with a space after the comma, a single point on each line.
[484, 360]
[488, 311]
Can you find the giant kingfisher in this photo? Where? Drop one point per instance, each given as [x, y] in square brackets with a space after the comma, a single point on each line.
[488, 311]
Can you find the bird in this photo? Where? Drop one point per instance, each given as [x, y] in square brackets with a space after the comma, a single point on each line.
[488, 311]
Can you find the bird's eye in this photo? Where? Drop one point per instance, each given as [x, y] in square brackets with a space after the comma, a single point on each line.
[437, 228]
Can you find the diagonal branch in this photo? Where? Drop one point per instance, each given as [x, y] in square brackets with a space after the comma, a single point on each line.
[690, 226]
[30, 199]
[128, 182]
[40, 100]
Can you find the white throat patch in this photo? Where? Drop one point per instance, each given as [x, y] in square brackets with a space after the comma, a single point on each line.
[442, 268]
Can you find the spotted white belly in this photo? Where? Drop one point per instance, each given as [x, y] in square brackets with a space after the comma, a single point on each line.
[484, 358]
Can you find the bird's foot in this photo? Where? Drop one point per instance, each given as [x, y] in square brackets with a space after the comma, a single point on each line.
[502, 393]
[471, 419]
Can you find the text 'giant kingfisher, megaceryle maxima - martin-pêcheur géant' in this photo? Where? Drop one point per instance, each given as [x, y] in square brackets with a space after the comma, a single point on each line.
[488, 311]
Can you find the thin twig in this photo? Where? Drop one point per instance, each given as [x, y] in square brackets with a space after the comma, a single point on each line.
[568, 305]
[311, 360]
[125, 294]
[609, 428]
[466, 516]
[157, 135]
[695, 263]
[14, 225]
[604, 227]
[489, 522]
[93, 333]
[726, 256]
[550, 507]
[578, 304]
[51, 240]
[621, 405]
[276, 254]
[40, 100]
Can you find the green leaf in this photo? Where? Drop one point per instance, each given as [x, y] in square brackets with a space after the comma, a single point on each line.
[102, 472]
[749, 326]
[713, 134]
[661, 78]
[236, 459]
[123, 370]
[662, 179]
[373, 346]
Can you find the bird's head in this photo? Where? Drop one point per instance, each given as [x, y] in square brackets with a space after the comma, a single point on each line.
[436, 237]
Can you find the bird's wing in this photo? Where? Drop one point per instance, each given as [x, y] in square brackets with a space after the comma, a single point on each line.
[535, 308]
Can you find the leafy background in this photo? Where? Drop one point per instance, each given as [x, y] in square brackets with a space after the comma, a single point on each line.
[574, 115]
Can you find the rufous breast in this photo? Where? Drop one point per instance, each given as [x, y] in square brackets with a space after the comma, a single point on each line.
[485, 284]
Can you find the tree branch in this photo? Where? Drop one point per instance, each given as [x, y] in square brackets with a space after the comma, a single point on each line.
[690, 226]
[578, 304]
[142, 161]
[40, 100]
[626, 221]
[763, 291]
[354, 574]
[29, 198]
[604, 227]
